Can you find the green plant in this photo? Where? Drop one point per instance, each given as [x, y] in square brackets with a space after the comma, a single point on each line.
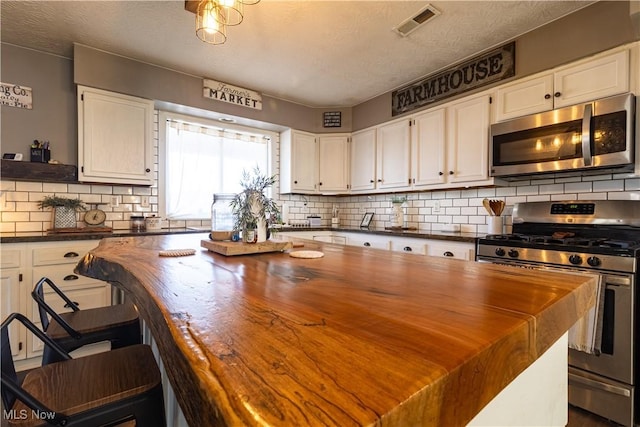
[252, 204]
[398, 199]
[57, 201]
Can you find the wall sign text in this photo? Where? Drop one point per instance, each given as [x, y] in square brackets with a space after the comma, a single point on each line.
[231, 94]
[16, 96]
[489, 67]
[332, 119]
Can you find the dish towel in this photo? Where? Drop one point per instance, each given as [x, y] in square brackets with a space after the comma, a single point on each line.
[586, 334]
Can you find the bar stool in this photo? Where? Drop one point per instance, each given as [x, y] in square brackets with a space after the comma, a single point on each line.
[97, 390]
[119, 324]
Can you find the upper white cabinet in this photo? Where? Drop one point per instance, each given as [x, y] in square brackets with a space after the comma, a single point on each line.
[363, 161]
[468, 141]
[428, 148]
[333, 163]
[312, 164]
[115, 138]
[582, 82]
[393, 155]
[298, 162]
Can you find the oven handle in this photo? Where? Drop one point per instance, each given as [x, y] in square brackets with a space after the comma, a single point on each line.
[586, 134]
[597, 385]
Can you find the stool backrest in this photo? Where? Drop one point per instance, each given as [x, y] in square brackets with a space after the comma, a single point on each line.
[10, 385]
[44, 308]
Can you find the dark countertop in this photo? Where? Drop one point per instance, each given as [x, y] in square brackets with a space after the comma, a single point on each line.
[43, 236]
[357, 337]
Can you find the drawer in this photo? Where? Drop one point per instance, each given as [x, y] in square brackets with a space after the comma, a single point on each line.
[61, 254]
[451, 251]
[10, 258]
[374, 242]
[63, 277]
[409, 246]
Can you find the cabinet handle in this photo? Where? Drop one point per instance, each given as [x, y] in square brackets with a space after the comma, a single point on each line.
[295, 182]
[379, 180]
[450, 172]
[407, 249]
[367, 244]
[20, 346]
[557, 94]
[70, 277]
[320, 183]
[372, 181]
[147, 170]
[440, 173]
[448, 253]
[71, 255]
[77, 304]
[547, 96]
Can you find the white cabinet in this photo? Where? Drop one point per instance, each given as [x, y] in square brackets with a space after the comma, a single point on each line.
[12, 295]
[580, 82]
[333, 163]
[298, 162]
[428, 149]
[468, 141]
[23, 264]
[115, 138]
[409, 245]
[368, 241]
[448, 249]
[393, 155]
[363, 161]
[312, 164]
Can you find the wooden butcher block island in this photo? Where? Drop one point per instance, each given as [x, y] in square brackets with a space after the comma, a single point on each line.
[357, 337]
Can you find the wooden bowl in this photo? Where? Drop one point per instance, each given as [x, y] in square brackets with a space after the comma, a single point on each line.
[220, 235]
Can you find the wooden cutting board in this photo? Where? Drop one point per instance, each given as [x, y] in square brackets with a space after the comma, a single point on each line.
[241, 248]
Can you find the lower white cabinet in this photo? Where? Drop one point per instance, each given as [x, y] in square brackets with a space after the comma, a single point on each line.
[407, 245]
[23, 264]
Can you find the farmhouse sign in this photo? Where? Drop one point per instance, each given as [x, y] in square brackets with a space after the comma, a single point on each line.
[489, 67]
[15, 96]
[231, 94]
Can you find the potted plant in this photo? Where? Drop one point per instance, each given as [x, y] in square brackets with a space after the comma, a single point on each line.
[64, 210]
[252, 209]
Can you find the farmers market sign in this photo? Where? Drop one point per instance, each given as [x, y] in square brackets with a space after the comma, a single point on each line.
[489, 67]
[232, 94]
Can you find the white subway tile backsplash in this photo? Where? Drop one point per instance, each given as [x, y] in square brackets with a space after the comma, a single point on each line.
[610, 185]
[551, 189]
[527, 190]
[578, 187]
[592, 196]
[29, 186]
[49, 187]
[539, 198]
[632, 184]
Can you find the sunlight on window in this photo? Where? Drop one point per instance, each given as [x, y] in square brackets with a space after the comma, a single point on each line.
[202, 160]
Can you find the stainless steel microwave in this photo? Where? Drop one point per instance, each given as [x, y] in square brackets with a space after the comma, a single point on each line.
[578, 139]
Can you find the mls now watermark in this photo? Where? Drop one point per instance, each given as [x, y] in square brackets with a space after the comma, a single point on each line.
[25, 414]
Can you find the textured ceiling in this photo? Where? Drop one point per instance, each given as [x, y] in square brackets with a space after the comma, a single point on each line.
[316, 53]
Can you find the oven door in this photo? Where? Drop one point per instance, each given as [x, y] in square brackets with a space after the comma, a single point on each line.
[593, 135]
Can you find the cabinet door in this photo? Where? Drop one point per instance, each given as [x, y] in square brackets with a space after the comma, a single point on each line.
[428, 146]
[595, 79]
[115, 139]
[394, 155]
[525, 97]
[12, 295]
[363, 160]
[457, 250]
[299, 156]
[468, 140]
[333, 164]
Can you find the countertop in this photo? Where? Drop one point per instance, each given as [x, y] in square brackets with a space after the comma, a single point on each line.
[43, 236]
[358, 337]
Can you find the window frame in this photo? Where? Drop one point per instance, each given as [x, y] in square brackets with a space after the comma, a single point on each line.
[163, 116]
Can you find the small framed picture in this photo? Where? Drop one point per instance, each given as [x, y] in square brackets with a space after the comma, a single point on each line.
[366, 219]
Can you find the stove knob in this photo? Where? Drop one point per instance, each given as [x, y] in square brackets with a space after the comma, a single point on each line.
[500, 252]
[513, 253]
[594, 261]
[575, 259]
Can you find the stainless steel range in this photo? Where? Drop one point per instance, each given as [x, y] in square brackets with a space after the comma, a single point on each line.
[598, 237]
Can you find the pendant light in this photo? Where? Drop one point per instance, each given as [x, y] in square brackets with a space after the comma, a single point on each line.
[210, 26]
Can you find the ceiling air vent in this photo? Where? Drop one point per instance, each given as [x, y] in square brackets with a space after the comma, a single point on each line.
[411, 24]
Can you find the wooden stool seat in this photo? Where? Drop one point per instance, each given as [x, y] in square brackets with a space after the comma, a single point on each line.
[119, 324]
[78, 385]
[95, 390]
[95, 320]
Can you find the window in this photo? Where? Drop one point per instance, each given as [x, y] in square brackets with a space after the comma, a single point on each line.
[199, 158]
